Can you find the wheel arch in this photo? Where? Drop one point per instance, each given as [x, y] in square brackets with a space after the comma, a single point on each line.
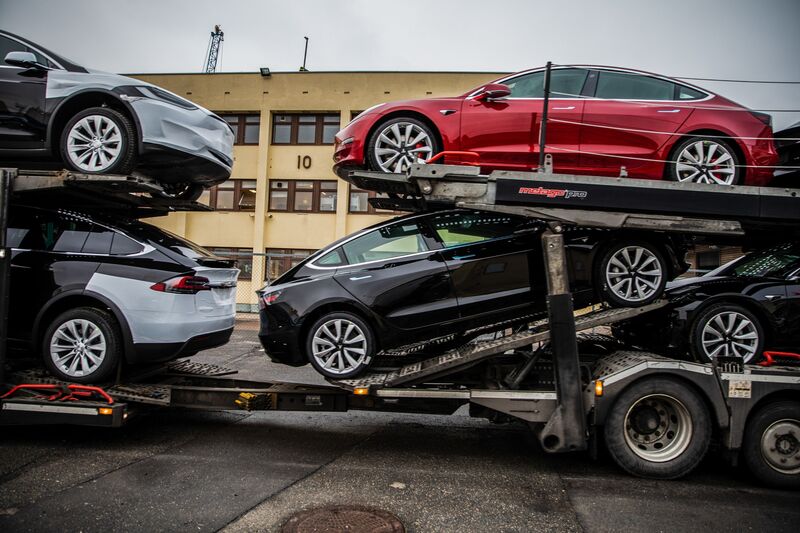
[407, 113]
[85, 99]
[730, 138]
[71, 300]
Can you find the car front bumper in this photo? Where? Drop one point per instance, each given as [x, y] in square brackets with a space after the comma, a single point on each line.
[349, 145]
[179, 144]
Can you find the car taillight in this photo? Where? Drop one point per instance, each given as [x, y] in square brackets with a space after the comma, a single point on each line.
[763, 117]
[182, 285]
[270, 297]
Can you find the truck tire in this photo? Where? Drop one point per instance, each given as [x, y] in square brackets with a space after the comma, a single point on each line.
[771, 445]
[658, 428]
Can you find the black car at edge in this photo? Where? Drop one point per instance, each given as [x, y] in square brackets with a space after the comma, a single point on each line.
[740, 309]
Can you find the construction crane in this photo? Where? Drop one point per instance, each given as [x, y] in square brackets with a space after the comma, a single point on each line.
[214, 48]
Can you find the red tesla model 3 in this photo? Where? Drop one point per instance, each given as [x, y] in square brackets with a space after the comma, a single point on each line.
[600, 119]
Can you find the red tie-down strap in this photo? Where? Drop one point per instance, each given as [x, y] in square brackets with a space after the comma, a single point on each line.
[769, 358]
[71, 392]
[472, 159]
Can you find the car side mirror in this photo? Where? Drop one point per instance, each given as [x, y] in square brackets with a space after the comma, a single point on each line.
[24, 60]
[493, 91]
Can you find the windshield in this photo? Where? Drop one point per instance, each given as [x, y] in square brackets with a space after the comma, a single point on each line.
[776, 262]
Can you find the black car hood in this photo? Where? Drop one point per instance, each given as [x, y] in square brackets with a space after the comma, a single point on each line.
[713, 285]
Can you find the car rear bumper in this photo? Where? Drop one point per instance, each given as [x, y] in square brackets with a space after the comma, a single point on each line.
[155, 352]
[183, 143]
[279, 337]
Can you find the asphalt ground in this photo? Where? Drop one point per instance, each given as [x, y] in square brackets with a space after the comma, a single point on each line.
[185, 470]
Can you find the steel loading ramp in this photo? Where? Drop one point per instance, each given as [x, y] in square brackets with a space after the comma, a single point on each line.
[132, 195]
[462, 358]
[591, 201]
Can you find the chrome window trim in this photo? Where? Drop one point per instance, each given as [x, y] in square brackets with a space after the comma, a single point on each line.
[357, 235]
[708, 96]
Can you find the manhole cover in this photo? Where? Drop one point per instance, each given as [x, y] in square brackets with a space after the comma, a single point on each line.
[344, 519]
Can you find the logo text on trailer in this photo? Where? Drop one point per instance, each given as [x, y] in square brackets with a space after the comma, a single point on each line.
[553, 193]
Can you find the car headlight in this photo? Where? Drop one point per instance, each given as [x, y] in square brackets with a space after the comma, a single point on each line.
[156, 93]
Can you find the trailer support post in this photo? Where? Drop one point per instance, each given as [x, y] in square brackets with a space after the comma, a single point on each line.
[566, 429]
[6, 176]
[545, 109]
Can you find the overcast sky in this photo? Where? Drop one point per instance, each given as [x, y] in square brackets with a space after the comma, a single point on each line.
[740, 39]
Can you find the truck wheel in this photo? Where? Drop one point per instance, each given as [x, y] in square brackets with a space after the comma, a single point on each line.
[631, 274]
[340, 345]
[772, 444]
[99, 140]
[82, 345]
[658, 428]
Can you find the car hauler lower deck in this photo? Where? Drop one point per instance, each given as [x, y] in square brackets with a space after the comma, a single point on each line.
[656, 415]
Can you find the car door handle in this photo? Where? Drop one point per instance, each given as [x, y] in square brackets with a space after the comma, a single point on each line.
[563, 108]
[669, 111]
[772, 297]
[358, 278]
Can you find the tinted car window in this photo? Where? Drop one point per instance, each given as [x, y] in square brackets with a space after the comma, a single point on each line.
[98, 241]
[633, 87]
[43, 230]
[391, 241]
[455, 229]
[687, 93]
[564, 83]
[9, 45]
[122, 245]
[332, 258]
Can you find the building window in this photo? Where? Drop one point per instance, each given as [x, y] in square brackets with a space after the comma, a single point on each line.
[231, 195]
[359, 202]
[245, 127]
[354, 114]
[243, 257]
[279, 260]
[295, 128]
[303, 196]
[706, 261]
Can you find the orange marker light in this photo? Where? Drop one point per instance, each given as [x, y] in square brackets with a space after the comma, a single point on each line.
[598, 388]
[105, 411]
[361, 391]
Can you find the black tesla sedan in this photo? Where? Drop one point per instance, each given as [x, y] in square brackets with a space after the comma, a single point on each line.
[429, 275]
[55, 112]
[739, 309]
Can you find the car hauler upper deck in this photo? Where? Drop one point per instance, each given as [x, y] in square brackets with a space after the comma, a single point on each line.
[657, 414]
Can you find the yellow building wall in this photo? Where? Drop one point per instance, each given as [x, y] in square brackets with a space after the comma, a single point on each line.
[306, 92]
